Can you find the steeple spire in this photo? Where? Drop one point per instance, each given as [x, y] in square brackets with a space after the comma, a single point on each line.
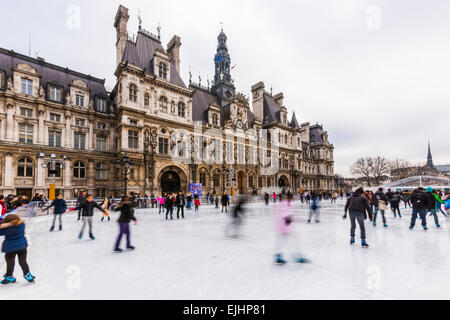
[223, 83]
[430, 157]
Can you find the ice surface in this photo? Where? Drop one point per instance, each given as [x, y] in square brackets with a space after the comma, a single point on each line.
[192, 259]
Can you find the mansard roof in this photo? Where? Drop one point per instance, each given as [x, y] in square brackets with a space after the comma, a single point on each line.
[271, 110]
[141, 54]
[201, 101]
[50, 73]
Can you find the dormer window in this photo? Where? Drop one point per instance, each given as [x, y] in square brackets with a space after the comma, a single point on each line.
[163, 70]
[2, 80]
[163, 104]
[79, 99]
[55, 94]
[133, 122]
[133, 93]
[27, 86]
[100, 105]
[215, 119]
[181, 110]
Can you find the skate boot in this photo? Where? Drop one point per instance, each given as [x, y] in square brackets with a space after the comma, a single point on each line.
[302, 260]
[109, 218]
[399, 215]
[80, 236]
[52, 228]
[29, 277]
[8, 280]
[103, 218]
[279, 259]
[364, 244]
[425, 228]
[374, 224]
[411, 227]
[309, 221]
[385, 225]
[91, 236]
[131, 248]
[60, 228]
[438, 225]
[352, 240]
[118, 250]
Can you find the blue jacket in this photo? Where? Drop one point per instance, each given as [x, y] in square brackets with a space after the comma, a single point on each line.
[14, 238]
[60, 206]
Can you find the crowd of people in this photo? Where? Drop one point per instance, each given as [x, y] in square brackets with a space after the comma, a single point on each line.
[360, 206]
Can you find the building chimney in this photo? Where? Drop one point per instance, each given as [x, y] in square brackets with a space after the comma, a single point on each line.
[279, 99]
[120, 24]
[258, 101]
[173, 49]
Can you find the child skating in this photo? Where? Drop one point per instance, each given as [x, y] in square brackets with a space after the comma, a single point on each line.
[60, 207]
[15, 244]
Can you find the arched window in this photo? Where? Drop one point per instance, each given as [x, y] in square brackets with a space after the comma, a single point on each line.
[25, 167]
[181, 110]
[146, 99]
[101, 172]
[203, 177]
[163, 104]
[79, 170]
[162, 70]
[133, 93]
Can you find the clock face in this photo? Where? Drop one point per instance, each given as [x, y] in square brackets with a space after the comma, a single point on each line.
[239, 125]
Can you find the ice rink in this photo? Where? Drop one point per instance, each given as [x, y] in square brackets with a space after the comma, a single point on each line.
[192, 259]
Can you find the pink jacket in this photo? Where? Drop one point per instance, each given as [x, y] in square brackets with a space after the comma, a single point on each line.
[161, 200]
[281, 213]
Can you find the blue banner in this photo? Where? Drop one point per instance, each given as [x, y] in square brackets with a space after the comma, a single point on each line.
[196, 188]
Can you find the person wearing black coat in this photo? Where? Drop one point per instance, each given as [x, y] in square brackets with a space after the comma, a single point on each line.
[80, 200]
[170, 202]
[87, 212]
[380, 202]
[60, 207]
[395, 204]
[225, 201]
[420, 203]
[358, 205]
[126, 208]
[180, 205]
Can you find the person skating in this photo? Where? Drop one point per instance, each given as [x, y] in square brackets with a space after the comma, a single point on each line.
[216, 201]
[126, 208]
[180, 204]
[420, 203]
[285, 236]
[433, 202]
[161, 201]
[3, 208]
[106, 206]
[60, 207]
[197, 203]
[87, 214]
[380, 201]
[395, 204]
[314, 208]
[80, 200]
[15, 244]
[405, 199]
[266, 199]
[169, 203]
[225, 201]
[358, 205]
[237, 214]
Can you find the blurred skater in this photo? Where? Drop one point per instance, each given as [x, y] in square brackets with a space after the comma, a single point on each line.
[15, 244]
[87, 213]
[395, 204]
[314, 208]
[126, 208]
[266, 199]
[106, 206]
[237, 214]
[197, 203]
[225, 201]
[358, 205]
[380, 202]
[180, 204]
[285, 239]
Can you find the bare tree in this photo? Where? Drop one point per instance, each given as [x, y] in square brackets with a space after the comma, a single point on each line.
[380, 167]
[400, 169]
[363, 169]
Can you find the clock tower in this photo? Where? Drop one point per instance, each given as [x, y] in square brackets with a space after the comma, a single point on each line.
[223, 83]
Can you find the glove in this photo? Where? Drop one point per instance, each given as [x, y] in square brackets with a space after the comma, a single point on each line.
[72, 209]
[344, 216]
[135, 222]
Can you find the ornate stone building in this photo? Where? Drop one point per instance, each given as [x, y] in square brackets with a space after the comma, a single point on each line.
[175, 134]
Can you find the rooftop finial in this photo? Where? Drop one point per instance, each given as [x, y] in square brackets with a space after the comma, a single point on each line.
[140, 19]
[221, 26]
[190, 75]
[159, 31]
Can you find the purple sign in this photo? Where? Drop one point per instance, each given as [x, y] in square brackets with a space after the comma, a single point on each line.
[195, 188]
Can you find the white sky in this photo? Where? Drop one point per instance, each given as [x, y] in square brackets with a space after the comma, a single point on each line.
[376, 91]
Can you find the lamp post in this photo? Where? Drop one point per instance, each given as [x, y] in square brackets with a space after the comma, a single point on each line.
[126, 165]
[52, 164]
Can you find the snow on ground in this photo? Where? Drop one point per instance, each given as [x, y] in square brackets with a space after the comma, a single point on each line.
[192, 259]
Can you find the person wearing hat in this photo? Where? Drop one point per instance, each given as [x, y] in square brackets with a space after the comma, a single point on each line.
[15, 244]
[358, 205]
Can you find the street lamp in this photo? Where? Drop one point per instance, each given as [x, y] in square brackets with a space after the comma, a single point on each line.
[126, 165]
[52, 164]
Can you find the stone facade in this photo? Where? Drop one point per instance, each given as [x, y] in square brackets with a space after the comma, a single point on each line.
[217, 135]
